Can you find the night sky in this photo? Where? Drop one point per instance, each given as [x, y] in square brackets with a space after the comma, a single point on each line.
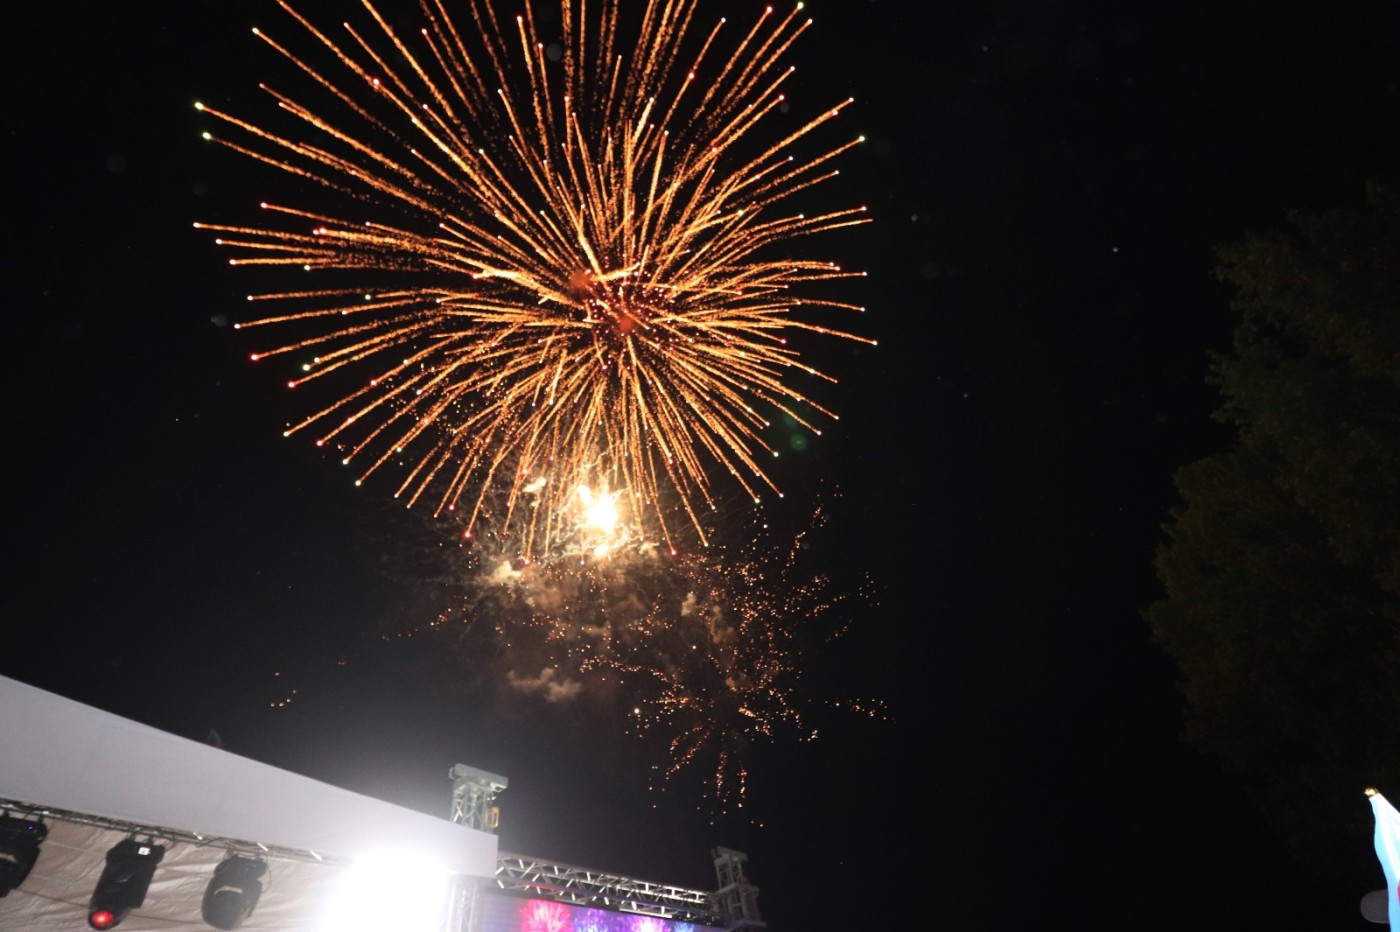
[1047, 178]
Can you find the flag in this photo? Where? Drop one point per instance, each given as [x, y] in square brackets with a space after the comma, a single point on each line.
[1388, 850]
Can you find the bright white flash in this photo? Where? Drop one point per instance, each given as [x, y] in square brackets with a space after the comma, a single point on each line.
[599, 511]
[599, 517]
[392, 890]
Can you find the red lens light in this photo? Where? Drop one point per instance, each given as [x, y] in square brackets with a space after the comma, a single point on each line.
[101, 919]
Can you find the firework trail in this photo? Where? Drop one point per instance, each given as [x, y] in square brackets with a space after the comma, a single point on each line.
[547, 265]
[725, 669]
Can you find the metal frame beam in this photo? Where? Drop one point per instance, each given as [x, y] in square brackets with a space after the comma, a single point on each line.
[583, 886]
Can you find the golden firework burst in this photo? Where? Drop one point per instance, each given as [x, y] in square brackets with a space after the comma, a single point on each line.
[561, 263]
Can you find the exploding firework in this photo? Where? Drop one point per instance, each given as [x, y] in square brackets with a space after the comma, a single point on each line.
[708, 652]
[548, 265]
[725, 669]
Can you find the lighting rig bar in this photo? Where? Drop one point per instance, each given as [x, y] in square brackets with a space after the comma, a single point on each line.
[584, 887]
[238, 846]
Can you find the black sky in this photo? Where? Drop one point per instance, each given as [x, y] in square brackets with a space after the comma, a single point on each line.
[1047, 180]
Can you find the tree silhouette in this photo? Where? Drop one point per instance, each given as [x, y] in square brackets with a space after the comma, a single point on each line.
[1282, 568]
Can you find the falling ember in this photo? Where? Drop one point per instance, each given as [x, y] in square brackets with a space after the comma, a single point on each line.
[703, 657]
[574, 271]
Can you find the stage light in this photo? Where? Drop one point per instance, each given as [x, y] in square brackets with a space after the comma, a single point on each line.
[390, 890]
[233, 891]
[19, 849]
[122, 887]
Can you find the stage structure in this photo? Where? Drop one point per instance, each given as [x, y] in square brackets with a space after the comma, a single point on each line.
[112, 821]
[106, 819]
[473, 793]
[733, 907]
[582, 886]
[525, 886]
[61, 888]
[737, 898]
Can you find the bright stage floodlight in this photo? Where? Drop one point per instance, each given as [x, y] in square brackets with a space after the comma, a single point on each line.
[122, 887]
[19, 849]
[233, 891]
[390, 890]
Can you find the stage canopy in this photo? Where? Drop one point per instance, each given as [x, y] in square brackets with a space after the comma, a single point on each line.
[103, 778]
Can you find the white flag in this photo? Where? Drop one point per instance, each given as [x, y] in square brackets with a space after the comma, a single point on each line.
[1388, 850]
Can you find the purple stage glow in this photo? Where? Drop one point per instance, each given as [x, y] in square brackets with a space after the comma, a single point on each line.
[507, 914]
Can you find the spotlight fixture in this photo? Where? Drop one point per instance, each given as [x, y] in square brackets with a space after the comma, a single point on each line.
[19, 849]
[233, 891]
[122, 887]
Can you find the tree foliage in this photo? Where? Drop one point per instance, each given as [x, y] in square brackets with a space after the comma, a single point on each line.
[1282, 566]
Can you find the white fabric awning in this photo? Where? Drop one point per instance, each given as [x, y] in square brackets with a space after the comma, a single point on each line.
[66, 755]
[104, 776]
[54, 897]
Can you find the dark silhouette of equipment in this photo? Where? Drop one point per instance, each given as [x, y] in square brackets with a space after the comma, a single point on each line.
[122, 887]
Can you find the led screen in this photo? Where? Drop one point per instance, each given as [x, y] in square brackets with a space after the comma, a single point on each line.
[508, 914]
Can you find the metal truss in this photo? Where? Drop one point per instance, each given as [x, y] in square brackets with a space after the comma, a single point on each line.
[473, 792]
[253, 849]
[582, 886]
[737, 898]
[515, 874]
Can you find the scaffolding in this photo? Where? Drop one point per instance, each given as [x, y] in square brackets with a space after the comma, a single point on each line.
[736, 898]
[733, 907]
[582, 886]
[473, 794]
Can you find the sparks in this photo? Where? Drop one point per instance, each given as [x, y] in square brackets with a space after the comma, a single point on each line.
[550, 270]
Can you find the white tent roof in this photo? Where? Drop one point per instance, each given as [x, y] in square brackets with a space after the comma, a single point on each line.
[62, 755]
